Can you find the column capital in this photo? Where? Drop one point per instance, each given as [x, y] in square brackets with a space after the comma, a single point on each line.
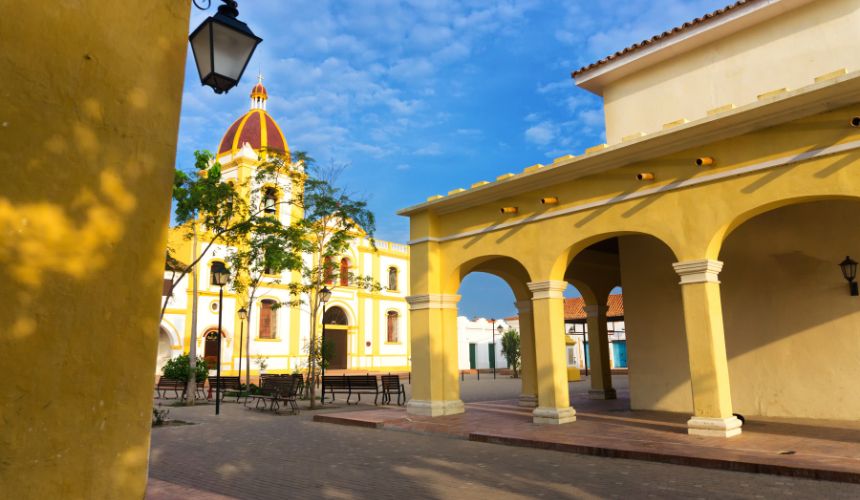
[432, 301]
[523, 306]
[698, 271]
[550, 289]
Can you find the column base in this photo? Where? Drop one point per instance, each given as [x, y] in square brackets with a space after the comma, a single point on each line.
[553, 416]
[602, 393]
[528, 401]
[714, 427]
[435, 408]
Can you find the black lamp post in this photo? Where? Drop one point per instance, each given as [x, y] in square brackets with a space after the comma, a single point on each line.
[220, 277]
[325, 294]
[222, 46]
[849, 271]
[499, 329]
[243, 315]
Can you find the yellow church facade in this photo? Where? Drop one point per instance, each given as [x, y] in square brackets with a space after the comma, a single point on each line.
[368, 329]
[723, 202]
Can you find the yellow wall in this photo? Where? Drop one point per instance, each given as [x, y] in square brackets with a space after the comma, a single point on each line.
[90, 110]
[789, 52]
[792, 329]
[654, 321]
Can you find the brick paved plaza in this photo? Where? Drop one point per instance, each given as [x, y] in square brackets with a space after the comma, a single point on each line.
[249, 454]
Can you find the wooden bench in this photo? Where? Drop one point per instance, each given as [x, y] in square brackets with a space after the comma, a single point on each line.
[351, 384]
[391, 385]
[274, 390]
[169, 384]
[226, 383]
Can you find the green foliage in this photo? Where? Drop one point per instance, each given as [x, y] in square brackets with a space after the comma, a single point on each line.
[511, 349]
[180, 368]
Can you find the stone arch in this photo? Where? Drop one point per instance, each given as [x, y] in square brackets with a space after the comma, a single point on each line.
[790, 322]
[559, 267]
[719, 237]
[510, 270]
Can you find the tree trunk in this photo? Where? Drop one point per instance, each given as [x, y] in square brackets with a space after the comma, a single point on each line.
[248, 340]
[191, 388]
[312, 358]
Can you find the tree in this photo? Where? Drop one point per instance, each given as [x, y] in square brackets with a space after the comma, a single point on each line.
[208, 210]
[511, 349]
[271, 247]
[332, 220]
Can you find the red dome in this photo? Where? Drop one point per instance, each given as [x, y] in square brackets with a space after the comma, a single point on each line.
[256, 128]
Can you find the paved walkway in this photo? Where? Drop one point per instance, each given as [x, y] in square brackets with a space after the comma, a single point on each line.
[249, 454]
[608, 428]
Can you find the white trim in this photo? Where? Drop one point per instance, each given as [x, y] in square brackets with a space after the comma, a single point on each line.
[698, 271]
[432, 301]
[672, 186]
[550, 289]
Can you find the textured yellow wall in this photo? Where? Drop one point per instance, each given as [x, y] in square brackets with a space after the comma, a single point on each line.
[89, 110]
[790, 51]
[792, 329]
[654, 321]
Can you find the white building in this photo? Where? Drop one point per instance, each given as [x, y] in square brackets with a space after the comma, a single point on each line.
[477, 343]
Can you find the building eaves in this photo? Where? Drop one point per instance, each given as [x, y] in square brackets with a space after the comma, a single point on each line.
[666, 35]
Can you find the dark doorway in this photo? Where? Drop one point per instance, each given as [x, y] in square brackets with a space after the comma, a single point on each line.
[210, 351]
[336, 323]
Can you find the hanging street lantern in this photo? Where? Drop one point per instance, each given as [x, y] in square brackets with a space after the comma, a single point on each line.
[849, 272]
[222, 46]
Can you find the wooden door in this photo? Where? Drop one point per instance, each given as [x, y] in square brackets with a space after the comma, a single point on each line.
[337, 338]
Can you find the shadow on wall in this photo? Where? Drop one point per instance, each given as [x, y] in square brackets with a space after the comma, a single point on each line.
[791, 325]
[84, 249]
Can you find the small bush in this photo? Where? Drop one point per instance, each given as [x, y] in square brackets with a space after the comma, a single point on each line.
[179, 368]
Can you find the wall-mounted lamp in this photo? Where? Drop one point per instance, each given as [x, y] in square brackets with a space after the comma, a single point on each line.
[645, 176]
[855, 122]
[510, 210]
[549, 200]
[849, 272]
[705, 161]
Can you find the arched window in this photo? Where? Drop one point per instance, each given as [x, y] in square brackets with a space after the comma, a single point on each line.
[392, 278]
[344, 272]
[270, 201]
[214, 267]
[328, 271]
[393, 322]
[268, 319]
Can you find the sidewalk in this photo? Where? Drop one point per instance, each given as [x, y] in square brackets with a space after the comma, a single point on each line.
[826, 451]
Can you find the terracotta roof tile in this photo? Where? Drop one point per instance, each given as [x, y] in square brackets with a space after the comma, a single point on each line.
[574, 308]
[666, 34]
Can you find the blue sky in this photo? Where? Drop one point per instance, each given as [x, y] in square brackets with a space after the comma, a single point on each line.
[419, 97]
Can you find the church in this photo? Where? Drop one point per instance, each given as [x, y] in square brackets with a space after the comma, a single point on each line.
[368, 329]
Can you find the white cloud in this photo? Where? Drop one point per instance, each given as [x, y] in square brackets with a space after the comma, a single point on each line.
[542, 133]
[432, 149]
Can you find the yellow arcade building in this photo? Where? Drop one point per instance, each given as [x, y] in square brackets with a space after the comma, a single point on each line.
[723, 201]
[368, 328]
